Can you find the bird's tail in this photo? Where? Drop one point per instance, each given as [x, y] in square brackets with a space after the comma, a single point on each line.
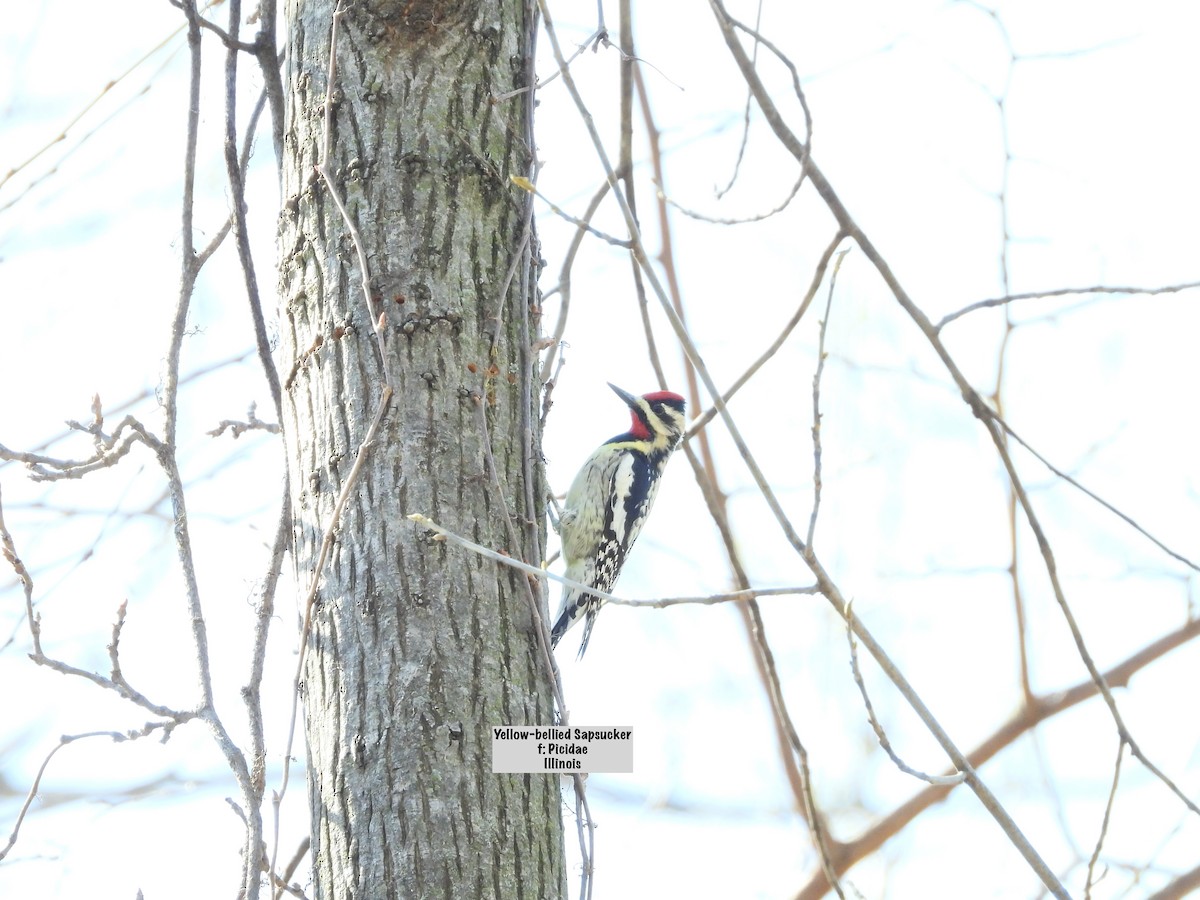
[568, 610]
[588, 621]
[575, 605]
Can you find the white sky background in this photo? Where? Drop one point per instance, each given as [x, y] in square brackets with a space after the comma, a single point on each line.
[1103, 189]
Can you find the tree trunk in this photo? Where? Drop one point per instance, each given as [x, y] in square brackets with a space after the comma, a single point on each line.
[417, 648]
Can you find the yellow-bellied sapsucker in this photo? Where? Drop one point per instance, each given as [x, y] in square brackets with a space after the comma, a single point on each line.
[608, 503]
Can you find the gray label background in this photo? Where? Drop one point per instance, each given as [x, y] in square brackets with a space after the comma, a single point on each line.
[521, 754]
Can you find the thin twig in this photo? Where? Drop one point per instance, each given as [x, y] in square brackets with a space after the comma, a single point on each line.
[539, 623]
[237, 189]
[7, 456]
[1028, 717]
[799, 150]
[282, 880]
[269, 61]
[1112, 509]
[109, 450]
[880, 734]
[1108, 808]
[736, 220]
[519, 256]
[681, 333]
[705, 473]
[79, 143]
[378, 322]
[780, 338]
[1014, 572]
[591, 41]
[1064, 292]
[737, 163]
[64, 741]
[87, 107]
[252, 423]
[564, 286]
[794, 753]
[166, 453]
[170, 392]
[264, 615]
[308, 604]
[504, 559]
[587, 846]
[526, 185]
[816, 399]
[796, 87]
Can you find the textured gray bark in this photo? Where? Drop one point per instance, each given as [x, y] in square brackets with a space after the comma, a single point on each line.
[417, 648]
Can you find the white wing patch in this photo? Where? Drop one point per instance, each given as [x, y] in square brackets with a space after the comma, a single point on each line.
[597, 536]
[622, 483]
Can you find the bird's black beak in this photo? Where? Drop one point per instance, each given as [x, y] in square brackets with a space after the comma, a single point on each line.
[630, 400]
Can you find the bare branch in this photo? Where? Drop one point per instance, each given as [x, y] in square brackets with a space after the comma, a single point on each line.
[535, 611]
[519, 256]
[88, 107]
[1028, 717]
[7, 456]
[1108, 808]
[378, 322]
[1064, 292]
[793, 750]
[282, 880]
[737, 163]
[166, 453]
[269, 61]
[736, 220]
[799, 150]
[828, 588]
[564, 289]
[1180, 887]
[64, 741]
[880, 734]
[593, 41]
[110, 448]
[705, 473]
[265, 613]
[816, 397]
[526, 185]
[1112, 509]
[252, 423]
[445, 534]
[309, 601]
[818, 276]
[791, 67]
[235, 171]
[116, 682]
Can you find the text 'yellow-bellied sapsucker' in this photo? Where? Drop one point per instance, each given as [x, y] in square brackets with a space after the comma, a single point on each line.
[609, 501]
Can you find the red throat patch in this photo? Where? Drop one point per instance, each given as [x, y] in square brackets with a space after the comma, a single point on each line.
[638, 429]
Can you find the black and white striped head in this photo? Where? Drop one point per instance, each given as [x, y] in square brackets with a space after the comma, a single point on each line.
[657, 418]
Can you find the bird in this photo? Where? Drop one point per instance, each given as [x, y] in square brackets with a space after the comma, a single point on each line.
[608, 503]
